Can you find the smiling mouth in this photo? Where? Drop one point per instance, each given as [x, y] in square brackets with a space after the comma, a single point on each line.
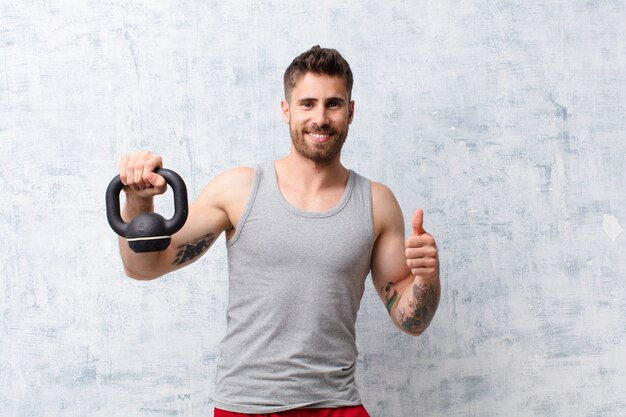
[320, 137]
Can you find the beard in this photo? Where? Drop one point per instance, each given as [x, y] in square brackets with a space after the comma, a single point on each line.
[321, 153]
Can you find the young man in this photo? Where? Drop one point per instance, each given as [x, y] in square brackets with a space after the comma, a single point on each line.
[302, 234]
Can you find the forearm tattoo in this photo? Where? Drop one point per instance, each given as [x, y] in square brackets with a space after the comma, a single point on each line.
[421, 309]
[390, 299]
[193, 249]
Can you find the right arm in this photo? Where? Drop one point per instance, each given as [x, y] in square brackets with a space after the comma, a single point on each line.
[208, 217]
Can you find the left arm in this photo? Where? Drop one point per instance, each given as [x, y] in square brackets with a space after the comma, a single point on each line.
[405, 273]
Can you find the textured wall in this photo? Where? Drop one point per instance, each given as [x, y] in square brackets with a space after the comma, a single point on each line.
[505, 120]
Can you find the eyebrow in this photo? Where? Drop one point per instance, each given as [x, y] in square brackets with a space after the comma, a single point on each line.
[305, 99]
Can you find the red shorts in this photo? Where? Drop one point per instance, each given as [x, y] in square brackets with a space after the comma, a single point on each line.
[355, 411]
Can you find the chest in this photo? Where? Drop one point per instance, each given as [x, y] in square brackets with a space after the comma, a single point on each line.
[319, 201]
[332, 245]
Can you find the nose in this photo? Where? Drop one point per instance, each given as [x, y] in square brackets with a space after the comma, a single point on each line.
[320, 116]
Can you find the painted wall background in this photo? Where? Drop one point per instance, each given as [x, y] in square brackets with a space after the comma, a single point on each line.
[504, 120]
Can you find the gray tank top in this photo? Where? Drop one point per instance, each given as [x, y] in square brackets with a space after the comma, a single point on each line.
[296, 279]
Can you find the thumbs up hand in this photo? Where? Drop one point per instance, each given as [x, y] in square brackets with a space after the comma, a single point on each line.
[421, 250]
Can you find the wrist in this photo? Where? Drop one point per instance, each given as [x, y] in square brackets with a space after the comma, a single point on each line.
[135, 204]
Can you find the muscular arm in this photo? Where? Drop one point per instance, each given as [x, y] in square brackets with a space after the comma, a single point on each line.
[209, 216]
[405, 273]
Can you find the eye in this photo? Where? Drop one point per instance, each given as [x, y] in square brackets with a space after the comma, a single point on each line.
[334, 104]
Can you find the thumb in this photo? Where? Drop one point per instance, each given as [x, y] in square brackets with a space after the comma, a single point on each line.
[417, 223]
[157, 181]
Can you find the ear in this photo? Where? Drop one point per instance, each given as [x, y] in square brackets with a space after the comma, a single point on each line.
[350, 111]
[284, 108]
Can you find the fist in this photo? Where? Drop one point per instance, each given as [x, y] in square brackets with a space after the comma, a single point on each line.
[421, 249]
[137, 174]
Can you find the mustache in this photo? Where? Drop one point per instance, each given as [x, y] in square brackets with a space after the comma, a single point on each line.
[323, 129]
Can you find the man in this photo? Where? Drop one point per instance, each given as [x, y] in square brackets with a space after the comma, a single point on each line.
[302, 234]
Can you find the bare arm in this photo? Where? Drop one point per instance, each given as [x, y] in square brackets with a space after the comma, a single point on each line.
[405, 273]
[208, 216]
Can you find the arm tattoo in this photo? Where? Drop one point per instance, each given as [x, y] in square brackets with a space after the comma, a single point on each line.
[390, 299]
[423, 306]
[193, 249]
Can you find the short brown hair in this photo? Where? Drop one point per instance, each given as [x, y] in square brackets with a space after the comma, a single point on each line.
[320, 61]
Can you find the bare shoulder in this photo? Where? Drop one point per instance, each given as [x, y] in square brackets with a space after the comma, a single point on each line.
[385, 208]
[383, 200]
[227, 193]
[381, 194]
[235, 176]
[228, 185]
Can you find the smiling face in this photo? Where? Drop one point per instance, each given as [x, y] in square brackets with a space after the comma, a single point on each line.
[318, 112]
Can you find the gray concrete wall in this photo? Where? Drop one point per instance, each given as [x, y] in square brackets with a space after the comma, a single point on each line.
[504, 120]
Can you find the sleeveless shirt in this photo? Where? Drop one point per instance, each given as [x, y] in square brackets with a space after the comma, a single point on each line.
[296, 280]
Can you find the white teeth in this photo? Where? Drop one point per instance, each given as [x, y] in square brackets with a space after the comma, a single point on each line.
[318, 135]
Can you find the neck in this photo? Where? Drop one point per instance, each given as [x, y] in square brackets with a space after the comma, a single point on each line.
[310, 175]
